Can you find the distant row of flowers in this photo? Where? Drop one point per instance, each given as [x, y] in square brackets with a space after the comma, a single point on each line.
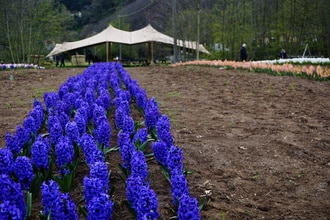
[73, 126]
[298, 60]
[19, 66]
[318, 72]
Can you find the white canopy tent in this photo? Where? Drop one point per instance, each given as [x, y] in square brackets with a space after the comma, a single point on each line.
[111, 34]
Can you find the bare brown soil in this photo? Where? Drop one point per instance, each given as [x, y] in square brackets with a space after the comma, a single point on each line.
[258, 145]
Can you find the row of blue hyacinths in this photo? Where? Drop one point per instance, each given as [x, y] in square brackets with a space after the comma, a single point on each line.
[73, 127]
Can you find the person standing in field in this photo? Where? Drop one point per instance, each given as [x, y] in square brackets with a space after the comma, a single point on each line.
[62, 60]
[243, 53]
[283, 54]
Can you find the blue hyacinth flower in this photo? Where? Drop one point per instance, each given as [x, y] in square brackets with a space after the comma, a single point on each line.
[72, 131]
[23, 171]
[152, 114]
[64, 152]
[161, 151]
[6, 161]
[164, 130]
[147, 204]
[139, 165]
[179, 187]
[40, 153]
[58, 205]
[11, 191]
[91, 152]
[9, 211]
[100, 170]
[175, 160]
[141, 136]
[126, 148]
[93, 187]
[99, 207]
[102, 133]
[188, 208]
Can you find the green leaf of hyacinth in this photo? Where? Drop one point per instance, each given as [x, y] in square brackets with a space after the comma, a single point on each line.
[149, 156]
[140, 110]
[29, 203]
[44, 217]
[108, 150]
[186, 172]
[202, 204]
[65, 182]
[153, 134]
[83, 210]
[124, 171]
[36, 183]
[143, 147]
[166, 173]
[138, 124]
[48, 172]
[130, 209]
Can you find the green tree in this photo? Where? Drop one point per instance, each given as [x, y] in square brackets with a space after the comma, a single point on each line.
[29, 26]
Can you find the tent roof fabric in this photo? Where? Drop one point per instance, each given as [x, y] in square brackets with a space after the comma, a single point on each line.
[112, 34]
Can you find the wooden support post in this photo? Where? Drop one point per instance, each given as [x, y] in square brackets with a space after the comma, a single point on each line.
[107, 51]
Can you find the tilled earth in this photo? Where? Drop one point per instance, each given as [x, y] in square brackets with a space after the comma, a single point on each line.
[258, 145]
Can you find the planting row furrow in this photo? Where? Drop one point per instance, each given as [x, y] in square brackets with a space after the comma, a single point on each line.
[74, 130]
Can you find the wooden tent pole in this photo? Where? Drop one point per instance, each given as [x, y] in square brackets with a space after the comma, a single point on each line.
[110, 45]
[152, 52]
[107, 50]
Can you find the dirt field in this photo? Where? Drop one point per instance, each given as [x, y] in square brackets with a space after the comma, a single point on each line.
[258, 145]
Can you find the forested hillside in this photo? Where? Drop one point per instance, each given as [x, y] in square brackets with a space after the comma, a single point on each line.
[266, 26]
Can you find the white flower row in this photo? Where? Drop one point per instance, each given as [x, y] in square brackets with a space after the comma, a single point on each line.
[297, 60]
[20, 65]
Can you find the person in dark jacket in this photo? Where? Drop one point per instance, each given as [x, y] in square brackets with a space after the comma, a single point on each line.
[243, 53]
[283, 54]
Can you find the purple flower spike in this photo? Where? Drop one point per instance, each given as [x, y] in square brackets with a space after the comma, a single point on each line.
[128, 124]
[6, 161]
[80, 120]
[90, 149]
[30, 125]
[51, 99]
[141, 135]
[100, 207]
[11, 191]
[188, 208]
[64, 152]
[9, 211]
[64, 208]
[23, 171]
[126, 148]
[72, 131]
[179, 187]
[100, 170]
[93, 187]
[164, 130]
[60, 206]
[40, 154]
[160, 151]
[139, 165]
[175, 160]
[50, 193]
[151, 113]
[103, 133]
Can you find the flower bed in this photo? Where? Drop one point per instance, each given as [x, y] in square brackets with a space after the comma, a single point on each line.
[73, 126]
[317, 72]
[19, 66]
